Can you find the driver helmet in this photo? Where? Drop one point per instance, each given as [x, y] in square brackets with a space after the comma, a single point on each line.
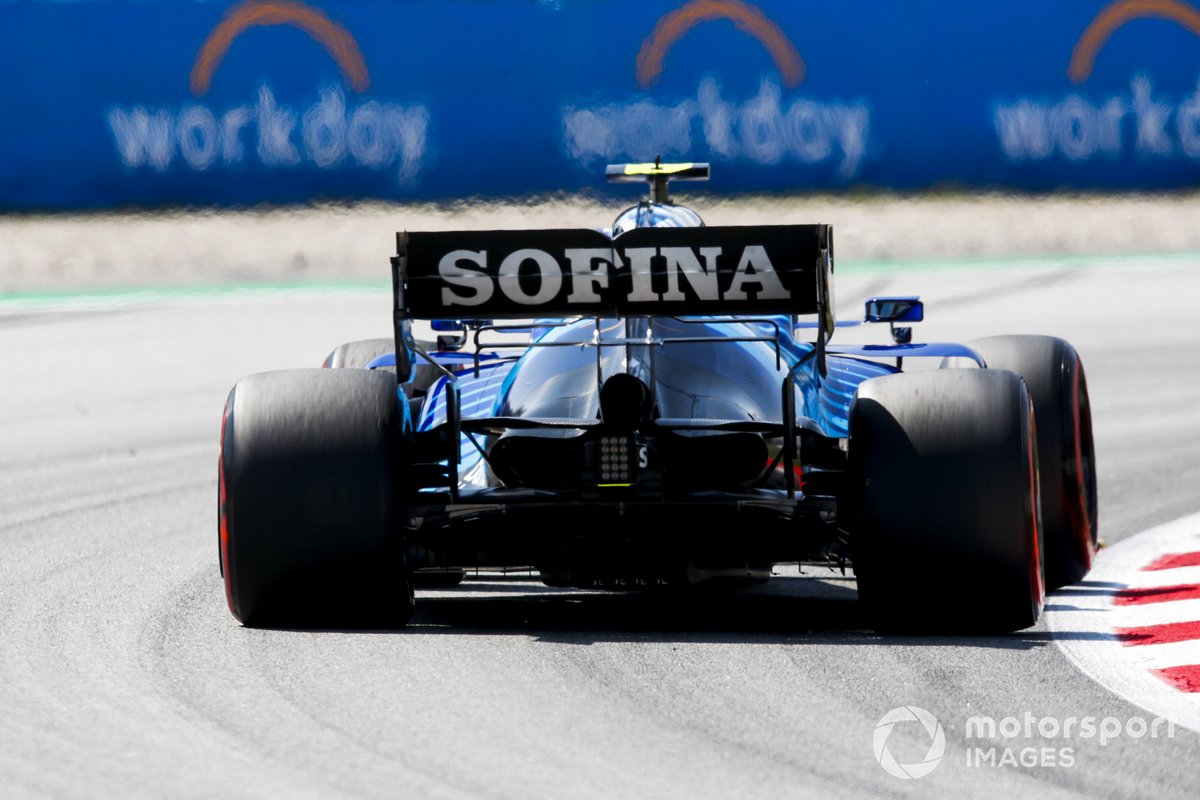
[655, 215]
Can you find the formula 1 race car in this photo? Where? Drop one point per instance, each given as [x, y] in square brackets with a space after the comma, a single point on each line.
[664, 407]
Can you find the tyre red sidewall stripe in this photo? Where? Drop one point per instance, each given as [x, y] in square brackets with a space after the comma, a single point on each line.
[1035, 567]
[1077, 514]
[223, 514]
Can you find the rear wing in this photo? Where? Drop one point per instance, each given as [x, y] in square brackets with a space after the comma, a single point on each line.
[640, 173]
[521, 274]
[657, 175]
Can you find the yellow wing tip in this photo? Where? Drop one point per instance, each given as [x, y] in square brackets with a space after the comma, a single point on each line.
[657, 169]
[683, 171]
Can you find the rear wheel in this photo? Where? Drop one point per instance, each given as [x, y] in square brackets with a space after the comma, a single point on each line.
[945, 511]
[357, 355]
[1066, 453]
[309, 524]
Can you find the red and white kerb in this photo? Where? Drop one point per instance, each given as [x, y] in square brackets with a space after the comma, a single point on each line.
[1133, 624]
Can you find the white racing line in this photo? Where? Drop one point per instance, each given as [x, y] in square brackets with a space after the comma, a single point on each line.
[1133, 624]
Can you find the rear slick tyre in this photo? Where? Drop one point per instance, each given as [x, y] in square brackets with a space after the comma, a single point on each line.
[1054, 375]
[357, 355]
[944, 510]
[308, 524]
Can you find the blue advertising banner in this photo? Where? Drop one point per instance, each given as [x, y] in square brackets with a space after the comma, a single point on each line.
[226, 102]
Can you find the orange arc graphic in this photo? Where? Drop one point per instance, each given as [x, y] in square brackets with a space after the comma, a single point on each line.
[674, 26]
[1117, 14]
[336, 40]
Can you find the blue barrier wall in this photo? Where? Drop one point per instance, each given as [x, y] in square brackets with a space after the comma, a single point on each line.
[111, 103]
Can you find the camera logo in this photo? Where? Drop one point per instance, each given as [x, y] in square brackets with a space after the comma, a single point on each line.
[937, 743]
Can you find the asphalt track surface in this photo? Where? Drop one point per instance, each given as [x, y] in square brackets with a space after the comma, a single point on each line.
[122, 674]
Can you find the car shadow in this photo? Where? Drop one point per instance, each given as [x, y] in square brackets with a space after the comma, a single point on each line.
[783, 611]
[786, 610]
